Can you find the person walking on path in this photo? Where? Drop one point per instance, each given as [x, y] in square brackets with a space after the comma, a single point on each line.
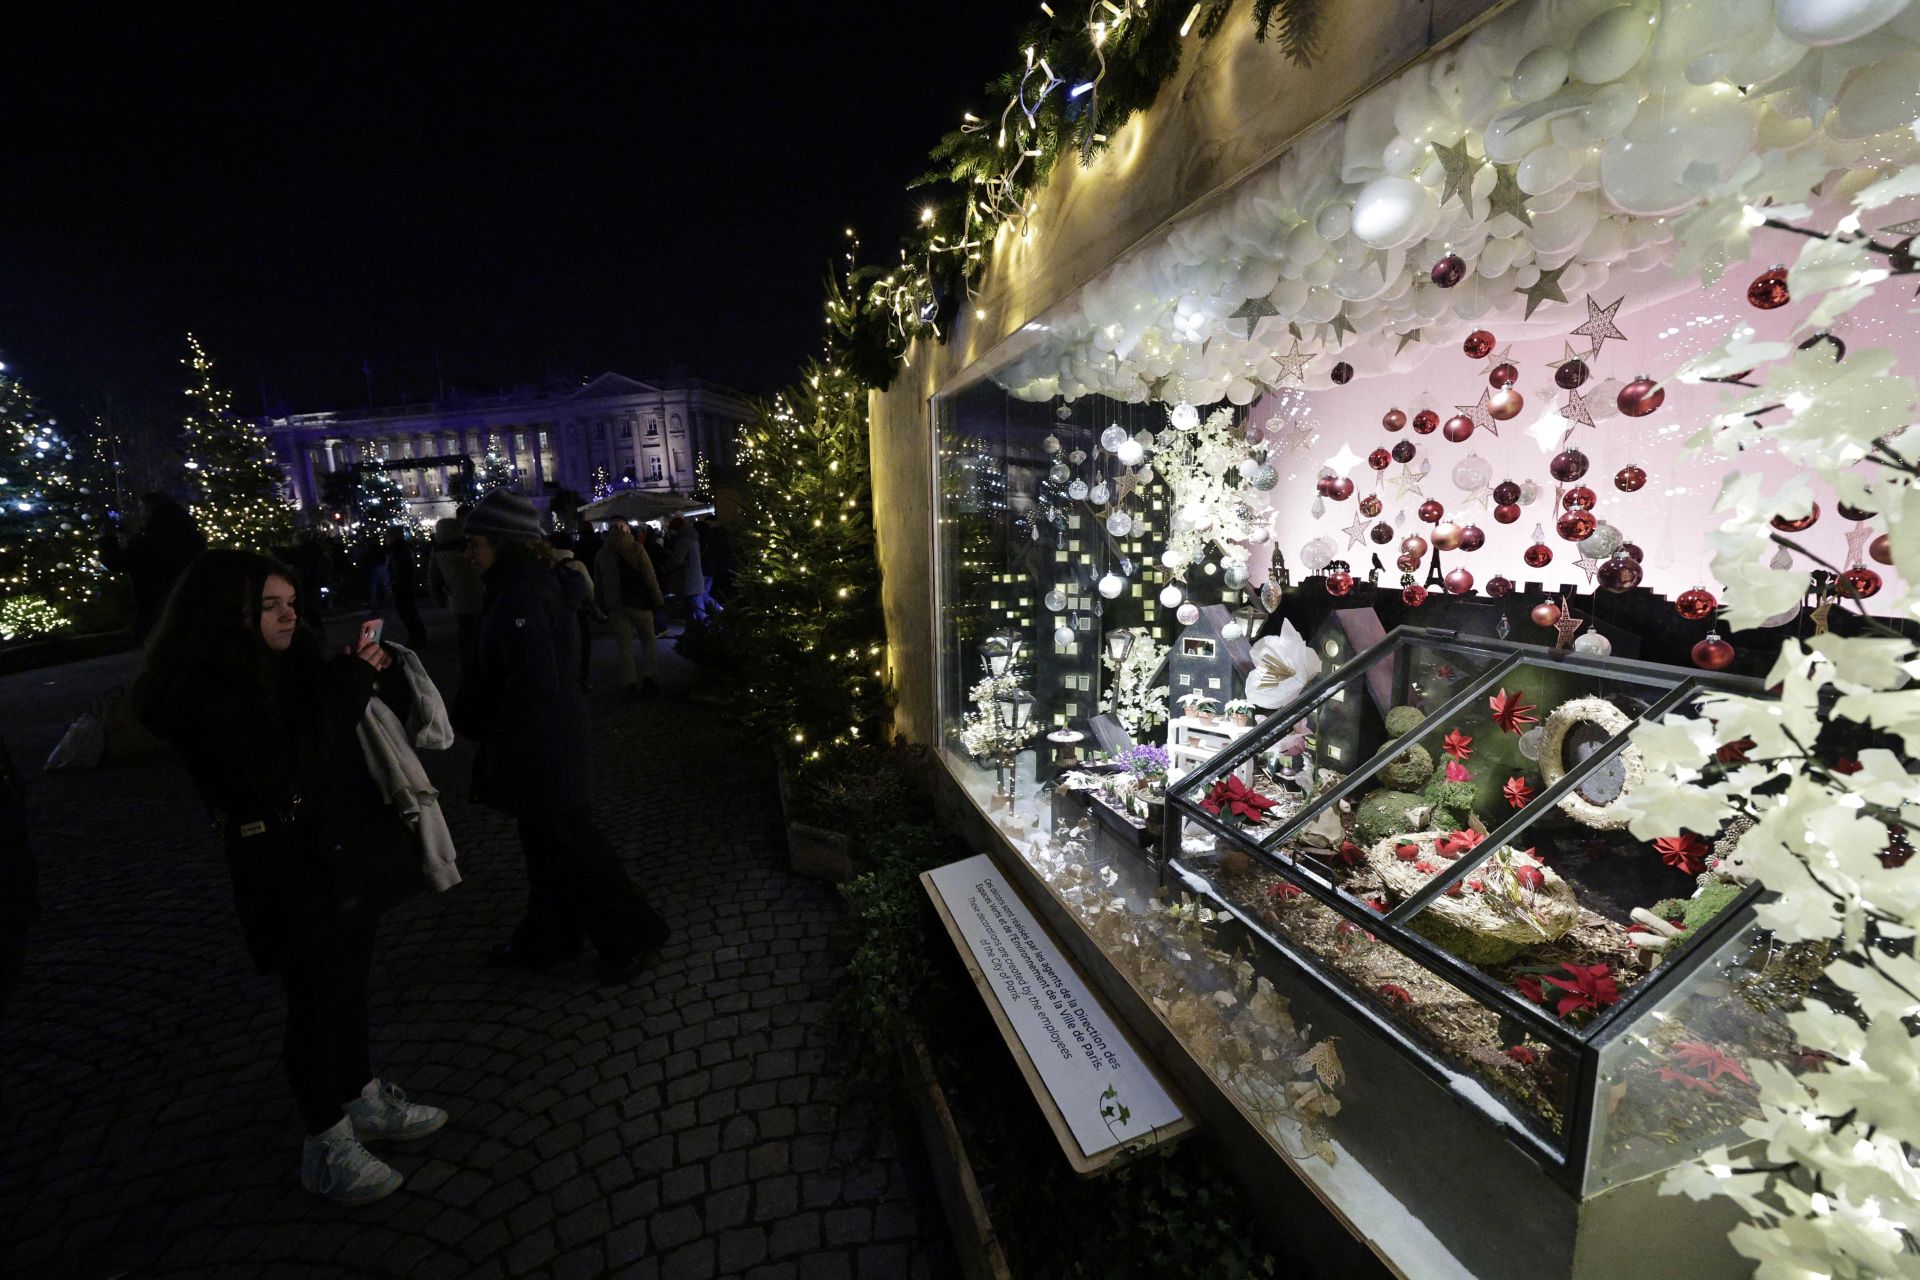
[684, 572]
[523, 706]
[629, 593]
[155, 557]
[405, 582]
[465, 592]
[269, 730]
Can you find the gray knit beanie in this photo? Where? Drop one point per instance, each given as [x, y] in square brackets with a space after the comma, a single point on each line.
[504, 516]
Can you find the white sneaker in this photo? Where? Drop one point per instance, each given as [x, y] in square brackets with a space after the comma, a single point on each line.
[382, 1113]
[336, 1167]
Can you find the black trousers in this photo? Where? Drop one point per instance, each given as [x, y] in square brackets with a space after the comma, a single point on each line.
[586, 647]
[577, 888]
[408, 608]
[329, 956]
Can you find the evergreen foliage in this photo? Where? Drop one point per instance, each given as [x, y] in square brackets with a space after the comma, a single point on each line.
[378, 499]
[803, 634]
[236, 482]
[46, 531]
[496, 473]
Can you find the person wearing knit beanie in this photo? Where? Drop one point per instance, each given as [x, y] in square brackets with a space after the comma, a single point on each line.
[504, 516]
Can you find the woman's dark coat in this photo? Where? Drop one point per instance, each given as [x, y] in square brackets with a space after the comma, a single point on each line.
[252, 751]
[521, 700]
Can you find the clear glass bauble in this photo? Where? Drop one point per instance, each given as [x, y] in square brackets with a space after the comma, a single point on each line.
[1472, 473]
[1077, 490]
[1264, 477]
[1055, 599]
[1592, 643]
[1317, 555]
[1112, 438]
[1188, 614]
[1098, 493]
[1184, 417]
[1059, 473]
[1601, 543]
[1130, 452]
[1062, 635]
[1118, 524]
[1233, 576]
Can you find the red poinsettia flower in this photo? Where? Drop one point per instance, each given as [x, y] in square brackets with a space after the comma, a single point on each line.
[1686, 852]
[1283, 892]
[1734, 752]
[1406, 852]
[1523, 1055]
[1457, 772]
[1509, 712]
[1394, 993]
[1529, 986]
[1232, 798]
[1699, 1056]
[1457, 744]
[1517, 792]
[1584, 986]
[1846, 765]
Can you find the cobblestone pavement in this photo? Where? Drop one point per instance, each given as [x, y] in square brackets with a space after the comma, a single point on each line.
[687, 1126]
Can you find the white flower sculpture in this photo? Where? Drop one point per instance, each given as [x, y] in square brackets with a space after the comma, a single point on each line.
[1283, 664]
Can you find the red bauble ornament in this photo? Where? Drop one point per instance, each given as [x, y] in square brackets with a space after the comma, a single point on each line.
[1472, 539]
[1502, 375]
[1499, 586]
[1631, 551]
[1538, 556]
[1406, 563]
[1578, 498]
[1860, 582]
[1506, 513]
[1696, 604]
[1404, 451]
[1457, 428]
[1379, 459]
[1769, 289]
[1797, 523]
[1506, 491]
[1545, 614]
[1339, 582]
[1506, 404]
[1381, 533]
[1618, 573]
[1641, 397]
[1431, 511]
[1321, 485]
[1881, 550]
[1446, 536]
[1340, 488]
[1479, 344]
[1393, 420]
[1459, 581]
[1414, 594]
[1425, 422]
[1449, 271]
[1370, 505]
[1854, 513]
[1414, 545]
[1570, 375]
[1574, 525]
[1713, 653]
[1343, 373]
[1567, 466]
[1630, 478]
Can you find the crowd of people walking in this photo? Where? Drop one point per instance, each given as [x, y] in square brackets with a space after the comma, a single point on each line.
[306, 759]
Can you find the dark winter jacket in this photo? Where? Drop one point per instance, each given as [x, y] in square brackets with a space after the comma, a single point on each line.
[305, 826]
[522, 701]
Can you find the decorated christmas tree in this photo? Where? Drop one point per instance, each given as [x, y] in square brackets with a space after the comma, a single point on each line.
[378, 500]
[46, 535]
[495, 474]
[238, 502]
[804, 632]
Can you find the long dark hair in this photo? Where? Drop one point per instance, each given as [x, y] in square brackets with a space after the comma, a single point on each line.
[210, 631]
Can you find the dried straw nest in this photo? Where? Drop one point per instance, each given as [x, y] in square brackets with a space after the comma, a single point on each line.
[1553, 762]
[1509, 912]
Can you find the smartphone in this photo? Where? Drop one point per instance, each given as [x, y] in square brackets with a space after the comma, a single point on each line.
[370, 632]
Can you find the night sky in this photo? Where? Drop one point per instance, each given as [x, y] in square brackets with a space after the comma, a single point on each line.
[462, 194]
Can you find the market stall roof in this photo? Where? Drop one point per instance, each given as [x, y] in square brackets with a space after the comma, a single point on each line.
[641, 504]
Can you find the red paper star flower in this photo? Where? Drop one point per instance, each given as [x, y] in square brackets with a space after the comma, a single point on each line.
[1394, 993]
[1478, 886]
[1455, 843]
[1734, 752]
[1457, 744]
[1523, 1055]
[1685, 853]
[1699, 1056]
[1424, 867]
[1509, 712]
[1517, 792]
[1351, 853]
[1283, 892]
[1584, 986]
[1457, 772]
[1232, 798]
[1453, 890]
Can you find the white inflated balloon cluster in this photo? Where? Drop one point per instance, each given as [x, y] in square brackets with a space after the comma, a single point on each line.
[1612, 117]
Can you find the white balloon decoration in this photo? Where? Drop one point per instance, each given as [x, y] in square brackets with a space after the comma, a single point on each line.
[1171, 596]
[1129, 453]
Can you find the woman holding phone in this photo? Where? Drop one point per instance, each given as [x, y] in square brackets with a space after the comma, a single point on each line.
[267, 721]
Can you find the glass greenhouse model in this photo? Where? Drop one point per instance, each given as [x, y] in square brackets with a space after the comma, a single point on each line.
[1433, 834]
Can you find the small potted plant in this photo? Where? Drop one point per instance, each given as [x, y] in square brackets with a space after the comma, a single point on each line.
[1239, 711]
[1199, 706]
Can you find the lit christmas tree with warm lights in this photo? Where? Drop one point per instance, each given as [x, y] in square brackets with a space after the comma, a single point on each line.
[378, 500]
[495, 474]
[235, 479]
[46, 536]
[804, 629]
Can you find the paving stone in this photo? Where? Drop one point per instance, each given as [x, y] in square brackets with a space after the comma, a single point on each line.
[739, 1250]
[693, 1262]
[796, 1234]
[826, 1266]
[672, 1227]
[847, 1226]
